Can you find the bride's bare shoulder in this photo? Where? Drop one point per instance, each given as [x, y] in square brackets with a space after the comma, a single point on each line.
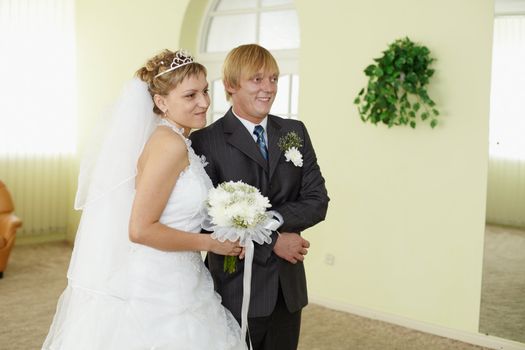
[166, 140]
[165, 144]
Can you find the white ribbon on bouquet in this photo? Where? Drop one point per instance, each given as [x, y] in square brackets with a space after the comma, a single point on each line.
[259, 234]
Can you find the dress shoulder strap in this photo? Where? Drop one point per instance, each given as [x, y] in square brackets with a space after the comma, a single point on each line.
[177, 130]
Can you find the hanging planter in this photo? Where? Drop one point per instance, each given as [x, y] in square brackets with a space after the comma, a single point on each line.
[397, 87]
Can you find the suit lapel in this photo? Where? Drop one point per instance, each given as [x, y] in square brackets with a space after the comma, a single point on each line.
[240, 138]
[274, 152]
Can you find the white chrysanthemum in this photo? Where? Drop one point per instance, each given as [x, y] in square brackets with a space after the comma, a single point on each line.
[292, 154]
[236, 204]
[218, 197]
[219, 216]
[262, 202]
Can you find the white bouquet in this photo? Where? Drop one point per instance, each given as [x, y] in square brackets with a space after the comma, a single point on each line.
[238, 212]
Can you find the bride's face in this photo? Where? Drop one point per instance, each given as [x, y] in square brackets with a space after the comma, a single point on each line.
[187, 104]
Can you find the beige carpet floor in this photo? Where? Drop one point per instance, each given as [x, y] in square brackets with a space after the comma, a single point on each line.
[503, 288]
[36, 277]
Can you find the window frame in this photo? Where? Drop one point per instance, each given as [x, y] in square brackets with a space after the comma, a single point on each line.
[288, 59]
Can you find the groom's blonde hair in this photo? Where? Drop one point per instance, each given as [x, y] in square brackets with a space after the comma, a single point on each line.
[245, 61]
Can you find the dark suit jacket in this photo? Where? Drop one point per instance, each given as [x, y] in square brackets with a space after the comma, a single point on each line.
[297, 193]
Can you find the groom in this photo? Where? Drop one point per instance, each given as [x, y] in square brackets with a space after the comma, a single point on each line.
[246, 145]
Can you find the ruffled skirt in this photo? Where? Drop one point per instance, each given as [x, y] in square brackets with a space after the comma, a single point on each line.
[171, 305]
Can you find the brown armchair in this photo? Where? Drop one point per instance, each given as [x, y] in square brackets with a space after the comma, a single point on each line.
[9, 223]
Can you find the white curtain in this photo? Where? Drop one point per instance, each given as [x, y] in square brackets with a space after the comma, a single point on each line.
[38, 110]
[506, 176]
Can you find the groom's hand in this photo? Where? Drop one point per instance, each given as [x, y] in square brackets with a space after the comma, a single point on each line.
[291, 247]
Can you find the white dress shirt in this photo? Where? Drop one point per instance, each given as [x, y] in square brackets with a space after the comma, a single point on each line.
[250, 127]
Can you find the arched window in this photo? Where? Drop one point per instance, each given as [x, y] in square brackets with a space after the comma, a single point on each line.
[271, 23]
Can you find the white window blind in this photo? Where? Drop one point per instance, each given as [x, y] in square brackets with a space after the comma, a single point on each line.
[37, 69]
[507, 112]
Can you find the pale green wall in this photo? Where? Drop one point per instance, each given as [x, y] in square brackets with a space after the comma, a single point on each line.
[193, 21]
[114, 38]
[406, 219]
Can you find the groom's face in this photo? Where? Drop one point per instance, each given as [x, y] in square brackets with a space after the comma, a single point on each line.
[254, 97]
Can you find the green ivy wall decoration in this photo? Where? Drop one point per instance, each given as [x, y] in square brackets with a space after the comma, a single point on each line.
[397, 87]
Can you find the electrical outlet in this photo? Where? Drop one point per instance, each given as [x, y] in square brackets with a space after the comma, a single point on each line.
[329, 259]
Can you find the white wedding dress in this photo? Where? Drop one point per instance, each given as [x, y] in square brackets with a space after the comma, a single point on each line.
[171, 303]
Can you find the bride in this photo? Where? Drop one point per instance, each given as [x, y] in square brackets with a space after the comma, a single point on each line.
[136, 278]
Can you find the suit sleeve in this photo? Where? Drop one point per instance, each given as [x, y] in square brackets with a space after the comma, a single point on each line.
[312, 204]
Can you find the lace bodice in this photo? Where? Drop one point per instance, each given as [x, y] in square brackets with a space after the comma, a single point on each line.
[185, 208]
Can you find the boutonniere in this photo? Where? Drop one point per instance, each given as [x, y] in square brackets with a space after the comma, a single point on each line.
[290, 144]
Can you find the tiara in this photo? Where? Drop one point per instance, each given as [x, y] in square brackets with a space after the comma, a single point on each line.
[182, 58]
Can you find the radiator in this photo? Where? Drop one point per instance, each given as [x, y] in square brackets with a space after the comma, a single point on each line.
[41, 191]
[506, 192]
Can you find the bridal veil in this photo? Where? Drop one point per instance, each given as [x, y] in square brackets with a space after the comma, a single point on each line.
[106, 189]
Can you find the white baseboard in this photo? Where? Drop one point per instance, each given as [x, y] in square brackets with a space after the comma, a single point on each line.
[464, 336]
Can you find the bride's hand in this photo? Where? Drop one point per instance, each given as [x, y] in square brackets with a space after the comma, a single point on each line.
[243, 253]
[225, 248]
